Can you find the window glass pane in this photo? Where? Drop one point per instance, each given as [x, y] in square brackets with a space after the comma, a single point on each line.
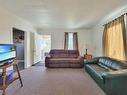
[70, 41]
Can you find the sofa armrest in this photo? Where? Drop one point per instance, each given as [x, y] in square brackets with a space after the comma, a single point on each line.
[80, 57]
[48, 55]
[47, 59]
[92, 61]
[115, 82]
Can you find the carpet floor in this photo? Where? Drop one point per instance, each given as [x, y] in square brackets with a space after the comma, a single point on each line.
[39, 64]
[41, 81]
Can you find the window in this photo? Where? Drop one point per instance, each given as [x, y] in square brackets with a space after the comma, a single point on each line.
[71, 41]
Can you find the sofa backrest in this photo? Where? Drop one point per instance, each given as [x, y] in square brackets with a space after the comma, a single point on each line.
[112, 63]
[64, 53]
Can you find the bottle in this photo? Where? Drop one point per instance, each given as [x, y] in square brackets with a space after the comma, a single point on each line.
[86, 51]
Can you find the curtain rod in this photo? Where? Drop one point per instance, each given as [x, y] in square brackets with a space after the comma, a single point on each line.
[115, 19]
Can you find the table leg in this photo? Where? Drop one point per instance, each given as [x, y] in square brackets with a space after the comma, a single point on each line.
[4, 81]
[19, 75]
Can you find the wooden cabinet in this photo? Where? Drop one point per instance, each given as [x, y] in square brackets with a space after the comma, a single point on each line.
[8, 77]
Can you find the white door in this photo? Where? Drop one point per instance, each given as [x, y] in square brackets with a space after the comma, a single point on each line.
[37, 49]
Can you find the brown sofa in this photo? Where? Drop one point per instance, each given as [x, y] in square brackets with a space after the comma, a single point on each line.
[64, 58]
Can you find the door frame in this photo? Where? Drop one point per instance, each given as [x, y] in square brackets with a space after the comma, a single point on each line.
[32, 48]
[26, 45]
[24, 41]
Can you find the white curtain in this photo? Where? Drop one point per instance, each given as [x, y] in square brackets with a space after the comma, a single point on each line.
[74, 41]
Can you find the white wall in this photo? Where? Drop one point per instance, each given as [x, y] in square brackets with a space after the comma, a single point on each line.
[98, 30]
[7, 22]
[57, 38]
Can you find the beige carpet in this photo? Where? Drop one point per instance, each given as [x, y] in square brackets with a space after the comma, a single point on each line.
[40, 81]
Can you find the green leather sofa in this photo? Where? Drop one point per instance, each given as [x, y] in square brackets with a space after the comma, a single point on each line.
[110, 74]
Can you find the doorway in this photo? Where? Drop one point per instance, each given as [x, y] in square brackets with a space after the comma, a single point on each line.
[18, 41]
[45, 46]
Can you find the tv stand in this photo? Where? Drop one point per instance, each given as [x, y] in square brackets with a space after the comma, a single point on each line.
[9, 76]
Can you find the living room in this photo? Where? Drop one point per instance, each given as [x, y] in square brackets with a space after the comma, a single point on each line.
[40, 17]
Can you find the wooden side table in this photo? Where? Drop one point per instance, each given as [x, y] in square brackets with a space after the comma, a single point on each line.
[16, 75]
[87, 56]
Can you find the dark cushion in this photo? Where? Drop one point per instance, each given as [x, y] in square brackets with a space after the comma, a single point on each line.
[64, 60]
[112, 63]
[64, 53]
[103, 66]
[61, 51]
[96, 72]
[97, 69]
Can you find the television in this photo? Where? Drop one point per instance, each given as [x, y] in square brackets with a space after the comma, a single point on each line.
[7, 51]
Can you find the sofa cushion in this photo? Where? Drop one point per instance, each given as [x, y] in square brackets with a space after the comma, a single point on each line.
[96, 72]
[64, 60]
[103, 66]
[112, 63]
[97, 69]
[61, 51]
[64, 53]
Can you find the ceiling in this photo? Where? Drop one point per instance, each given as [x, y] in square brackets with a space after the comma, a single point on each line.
[65, 14]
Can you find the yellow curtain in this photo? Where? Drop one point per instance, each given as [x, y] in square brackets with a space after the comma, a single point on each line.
[114, 39]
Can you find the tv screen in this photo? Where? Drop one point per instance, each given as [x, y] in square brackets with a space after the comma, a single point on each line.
[7, 51]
